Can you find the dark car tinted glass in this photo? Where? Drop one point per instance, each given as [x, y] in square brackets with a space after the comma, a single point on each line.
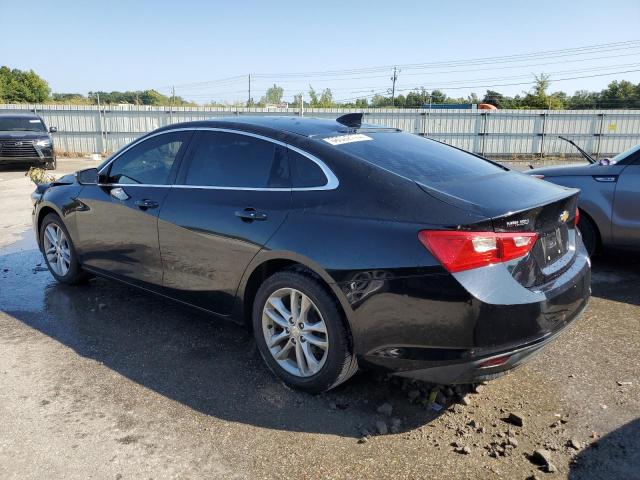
[420, 159]
[305, 172]
[29, 124]
[223, 159]
[150, 161]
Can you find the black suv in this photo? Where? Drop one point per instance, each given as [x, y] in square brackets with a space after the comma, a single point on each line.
[24, 138]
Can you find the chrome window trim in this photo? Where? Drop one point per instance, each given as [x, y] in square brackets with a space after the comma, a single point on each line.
[332, 180]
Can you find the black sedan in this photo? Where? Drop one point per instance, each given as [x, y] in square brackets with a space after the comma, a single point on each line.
[340, 244]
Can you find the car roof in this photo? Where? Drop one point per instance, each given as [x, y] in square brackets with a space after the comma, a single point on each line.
[305, 126]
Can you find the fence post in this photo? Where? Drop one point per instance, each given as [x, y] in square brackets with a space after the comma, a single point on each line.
[100, 143]
[599, 135]
[542, 133]
[484, 130]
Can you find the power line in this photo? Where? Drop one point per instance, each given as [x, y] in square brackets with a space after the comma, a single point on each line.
[466, 87]
[591, 49]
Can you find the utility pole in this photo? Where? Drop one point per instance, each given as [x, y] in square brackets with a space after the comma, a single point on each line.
[249, 97]
[393, 88]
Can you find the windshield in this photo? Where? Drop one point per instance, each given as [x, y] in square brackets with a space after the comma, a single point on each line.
[29, 124]
[621, 156]
[425, 161]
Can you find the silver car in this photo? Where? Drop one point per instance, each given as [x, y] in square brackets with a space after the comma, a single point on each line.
[609, 199]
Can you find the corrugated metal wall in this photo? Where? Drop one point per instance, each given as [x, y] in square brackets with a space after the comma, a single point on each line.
[86, 129]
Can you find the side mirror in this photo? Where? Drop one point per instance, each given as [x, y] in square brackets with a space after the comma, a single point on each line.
[53, 129]
[103, 179]
[88, 176]
[605, 161]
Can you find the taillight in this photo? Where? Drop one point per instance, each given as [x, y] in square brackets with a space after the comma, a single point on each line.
[576, 219]
[459, 250]
[539, 176]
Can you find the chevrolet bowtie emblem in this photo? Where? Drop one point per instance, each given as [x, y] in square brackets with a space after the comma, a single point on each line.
[564, 216]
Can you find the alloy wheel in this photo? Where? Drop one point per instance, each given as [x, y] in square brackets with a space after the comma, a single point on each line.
[57, 250]
[295, 332]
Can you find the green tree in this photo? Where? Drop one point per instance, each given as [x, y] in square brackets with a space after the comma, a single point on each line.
[22, 86]
[538, 97]
[620, 94]
[274, 95]
[438, 96]
[417, 98]
[314, 101]
[326, 98]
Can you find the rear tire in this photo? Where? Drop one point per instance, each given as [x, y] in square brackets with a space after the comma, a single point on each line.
[59, 252]
[322, 325]
[589, 234]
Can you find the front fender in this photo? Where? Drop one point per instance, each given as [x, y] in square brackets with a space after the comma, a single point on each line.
[62, 200]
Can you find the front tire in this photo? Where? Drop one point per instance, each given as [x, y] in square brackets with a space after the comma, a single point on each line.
[59, 252]
[51, 165]
[300, 333]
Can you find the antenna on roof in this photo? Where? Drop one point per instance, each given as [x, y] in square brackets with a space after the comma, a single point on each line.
[353, 120]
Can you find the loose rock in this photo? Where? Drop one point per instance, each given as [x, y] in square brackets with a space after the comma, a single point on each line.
[381, 427]
[516, 419]
[575, 444]
[541, 457]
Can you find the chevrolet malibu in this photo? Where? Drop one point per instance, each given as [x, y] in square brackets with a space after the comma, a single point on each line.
[340, 244]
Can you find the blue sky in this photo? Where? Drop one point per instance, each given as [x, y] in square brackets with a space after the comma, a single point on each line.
[119, 45]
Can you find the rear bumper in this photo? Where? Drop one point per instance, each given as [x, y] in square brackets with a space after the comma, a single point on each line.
[476, 371]
[443, 331]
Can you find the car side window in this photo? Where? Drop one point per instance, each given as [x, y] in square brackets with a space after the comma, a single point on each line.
[149, 162]
[305, 173]
[222, 159]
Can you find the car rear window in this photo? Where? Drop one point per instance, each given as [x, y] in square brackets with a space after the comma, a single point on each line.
[420, 159]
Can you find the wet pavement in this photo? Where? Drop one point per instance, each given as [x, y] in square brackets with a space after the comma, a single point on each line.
[103, 381]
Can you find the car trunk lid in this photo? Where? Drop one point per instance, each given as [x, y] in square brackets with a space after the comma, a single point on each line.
[518, 203]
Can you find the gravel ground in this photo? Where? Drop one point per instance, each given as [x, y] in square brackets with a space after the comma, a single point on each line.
[101, 381]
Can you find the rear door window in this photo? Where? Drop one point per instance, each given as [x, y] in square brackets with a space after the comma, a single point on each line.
[222, 159]
[417, 158]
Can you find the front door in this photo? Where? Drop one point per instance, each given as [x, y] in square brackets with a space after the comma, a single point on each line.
[232, 194]
[625, 219]
[118, 228]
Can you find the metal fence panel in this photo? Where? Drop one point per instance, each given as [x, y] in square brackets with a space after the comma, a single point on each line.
[87, 129]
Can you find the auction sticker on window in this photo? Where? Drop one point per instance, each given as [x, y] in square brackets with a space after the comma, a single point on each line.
[342, 139]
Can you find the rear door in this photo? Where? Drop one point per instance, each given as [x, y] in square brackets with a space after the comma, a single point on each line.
[232, 193]
[118, 228]
[625, 219]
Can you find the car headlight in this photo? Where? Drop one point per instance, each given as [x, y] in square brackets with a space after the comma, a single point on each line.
[43, 143]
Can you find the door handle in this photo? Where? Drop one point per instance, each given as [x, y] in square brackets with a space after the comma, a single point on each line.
[250, 214]
[144, 204]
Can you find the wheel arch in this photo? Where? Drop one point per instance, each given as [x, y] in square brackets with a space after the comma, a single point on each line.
[265, 265]
[585, 214]
[42, 212]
